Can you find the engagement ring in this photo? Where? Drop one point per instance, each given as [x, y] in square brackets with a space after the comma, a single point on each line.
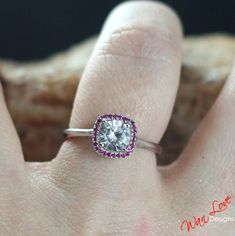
[114, 136]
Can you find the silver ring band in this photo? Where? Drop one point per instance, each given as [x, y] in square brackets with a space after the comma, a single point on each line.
[114, 136]
[150, 146]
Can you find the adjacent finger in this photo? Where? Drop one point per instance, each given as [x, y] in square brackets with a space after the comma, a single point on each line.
[207, 165]
[11, 157]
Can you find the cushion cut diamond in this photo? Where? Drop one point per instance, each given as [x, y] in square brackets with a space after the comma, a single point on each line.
[114, 136]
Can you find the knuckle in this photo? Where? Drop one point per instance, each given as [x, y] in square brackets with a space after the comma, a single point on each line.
[141, 41]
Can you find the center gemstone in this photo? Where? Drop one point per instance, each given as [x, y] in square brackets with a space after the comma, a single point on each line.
[114, 135]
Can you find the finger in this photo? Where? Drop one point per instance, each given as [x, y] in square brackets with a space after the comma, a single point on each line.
[11, 157]
[133, 70]
[208, 163]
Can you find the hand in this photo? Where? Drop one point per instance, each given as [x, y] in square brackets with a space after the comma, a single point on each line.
[133, 70]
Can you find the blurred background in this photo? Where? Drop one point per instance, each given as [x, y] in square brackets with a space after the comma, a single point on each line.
[35, 29]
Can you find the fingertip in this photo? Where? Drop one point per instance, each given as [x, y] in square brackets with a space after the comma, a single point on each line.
[142, 12]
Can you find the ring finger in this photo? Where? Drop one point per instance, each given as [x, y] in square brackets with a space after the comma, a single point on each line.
[133, 70]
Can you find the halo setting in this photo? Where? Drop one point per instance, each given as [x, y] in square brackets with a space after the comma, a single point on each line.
[114, 136]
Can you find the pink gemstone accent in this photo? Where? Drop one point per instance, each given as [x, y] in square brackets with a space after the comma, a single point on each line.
[101, 147]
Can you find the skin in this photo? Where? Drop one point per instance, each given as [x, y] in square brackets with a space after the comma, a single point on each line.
[133, 70]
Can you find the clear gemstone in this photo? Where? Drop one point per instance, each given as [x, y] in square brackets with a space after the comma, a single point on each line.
[114, 135]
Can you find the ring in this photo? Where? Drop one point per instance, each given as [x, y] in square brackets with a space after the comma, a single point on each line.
[114, 136]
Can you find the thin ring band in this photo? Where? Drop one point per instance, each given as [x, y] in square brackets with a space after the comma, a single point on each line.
[114, 136]
[150, 146]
